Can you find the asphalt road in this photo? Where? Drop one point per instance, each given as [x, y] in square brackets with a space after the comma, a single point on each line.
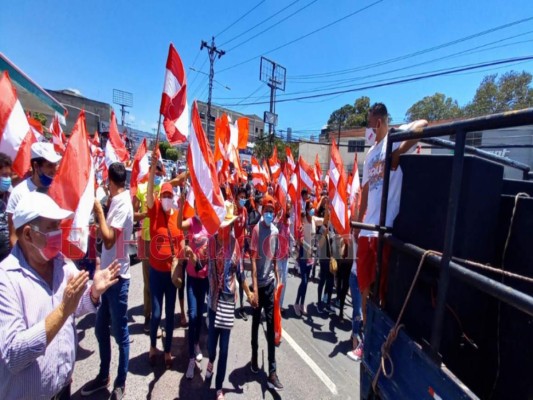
[311, 359]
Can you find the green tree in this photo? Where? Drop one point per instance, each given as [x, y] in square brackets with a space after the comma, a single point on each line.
[350, 116]
[264, 147]
[163, 147]
[434, 108]
[40, 117]
[511, 91]
[171, 154]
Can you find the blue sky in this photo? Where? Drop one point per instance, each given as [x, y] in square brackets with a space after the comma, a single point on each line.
[95, 46]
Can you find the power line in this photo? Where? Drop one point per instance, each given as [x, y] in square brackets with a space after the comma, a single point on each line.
[304, 36]
[240, 18]
[416, 53]
[259, 24]
[273, 25]
[196, 77]
[396, 82]
[363, 78]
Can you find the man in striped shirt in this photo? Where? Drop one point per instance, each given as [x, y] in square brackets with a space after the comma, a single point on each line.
[41, 293]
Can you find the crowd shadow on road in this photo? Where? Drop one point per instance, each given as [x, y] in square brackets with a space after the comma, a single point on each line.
[240, 377]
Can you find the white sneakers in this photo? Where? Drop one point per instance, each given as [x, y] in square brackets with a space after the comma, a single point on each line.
[198, 352]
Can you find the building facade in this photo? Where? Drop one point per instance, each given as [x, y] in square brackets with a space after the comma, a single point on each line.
[257, 126]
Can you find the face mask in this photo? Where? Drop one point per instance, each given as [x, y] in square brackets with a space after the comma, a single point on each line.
[157, 180]
[311, 212]
[370, 136]
[45, 180]
[166, 204]
[268, 217]
[242, 202]
[5, 183]
[52, 246]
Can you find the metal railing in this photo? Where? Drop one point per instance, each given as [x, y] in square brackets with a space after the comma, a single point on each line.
[447, 266]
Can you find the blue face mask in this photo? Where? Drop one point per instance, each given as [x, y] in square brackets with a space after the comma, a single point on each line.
[45, 180]
[157, 180]
[311, 212]
[268, 217]
[5, 183]
[242, 202]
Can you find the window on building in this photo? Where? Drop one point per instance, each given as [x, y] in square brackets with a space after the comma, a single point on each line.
[356, 146]
[256, 129]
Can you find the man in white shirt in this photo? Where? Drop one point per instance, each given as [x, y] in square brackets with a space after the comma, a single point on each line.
[41, 294]
[44, 163]
[373, 172]
[112, 317]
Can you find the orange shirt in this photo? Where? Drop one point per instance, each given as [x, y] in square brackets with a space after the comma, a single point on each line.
[160, 256]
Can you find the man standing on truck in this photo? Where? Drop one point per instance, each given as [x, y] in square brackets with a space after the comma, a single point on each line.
[376, 134]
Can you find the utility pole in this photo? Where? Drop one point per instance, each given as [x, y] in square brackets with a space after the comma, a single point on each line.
[213, 54]
[273, 75]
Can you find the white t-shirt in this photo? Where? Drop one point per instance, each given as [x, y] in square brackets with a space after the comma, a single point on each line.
[120, 217]
[18, 192]
[373, 172]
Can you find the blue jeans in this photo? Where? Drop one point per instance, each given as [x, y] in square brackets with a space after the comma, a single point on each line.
[326, 278]
[305, 271]
[283, 266]
[357, 316]
[220, 336]
[112, 317]
[196, 291]
[161, 285]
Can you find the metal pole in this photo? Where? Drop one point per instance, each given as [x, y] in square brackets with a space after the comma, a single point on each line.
[212, 52]
[449, 235]
[272, 85]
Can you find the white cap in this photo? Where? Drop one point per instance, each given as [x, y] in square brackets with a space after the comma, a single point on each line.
[44, 150]
[36, 204]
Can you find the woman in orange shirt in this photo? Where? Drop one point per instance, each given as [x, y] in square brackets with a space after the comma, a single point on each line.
[166, 242]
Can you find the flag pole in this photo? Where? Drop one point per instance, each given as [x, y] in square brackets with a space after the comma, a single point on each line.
[157, 134]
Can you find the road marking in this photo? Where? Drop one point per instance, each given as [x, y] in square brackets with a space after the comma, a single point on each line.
[316, 369]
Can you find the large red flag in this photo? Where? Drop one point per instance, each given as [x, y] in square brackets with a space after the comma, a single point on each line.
[174, 107]
[16, 136]
[208, 197]
[115, 150]
[337, 192]
[222, 138]
[73, 189]
[354, 188]
[290, 159]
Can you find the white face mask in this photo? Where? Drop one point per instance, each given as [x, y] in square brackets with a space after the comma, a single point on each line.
[166, 204]
[370, 136]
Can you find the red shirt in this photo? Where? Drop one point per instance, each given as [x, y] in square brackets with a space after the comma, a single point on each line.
[160, 256]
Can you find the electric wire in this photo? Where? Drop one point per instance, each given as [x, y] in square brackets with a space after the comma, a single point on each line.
[304, 36]
[240, 18]
[272, 26]
[399, 81]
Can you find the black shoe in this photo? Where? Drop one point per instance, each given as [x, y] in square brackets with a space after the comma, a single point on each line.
[329, 310]
[94, 386]
[283, 312]
[243, 314]
[118, 393]
[253, 365]
[274, 383]
[320, 308]
[146, 326]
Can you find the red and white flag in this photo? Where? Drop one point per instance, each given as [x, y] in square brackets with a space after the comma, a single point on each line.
[258, 177]
[275, 167]
[239, 131]
[73, 189]
[188, 209]
[140, 168]
[307, 175]
[58, 136]
[174, 107]
[293, 192]
[282, 189]
[222, 138]
[16, 136]
[354, 187]
[290, 159]
[337, 192]
[115, 150]
[96, 139]
[208, 197]
[37, 129]
[235, 159]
